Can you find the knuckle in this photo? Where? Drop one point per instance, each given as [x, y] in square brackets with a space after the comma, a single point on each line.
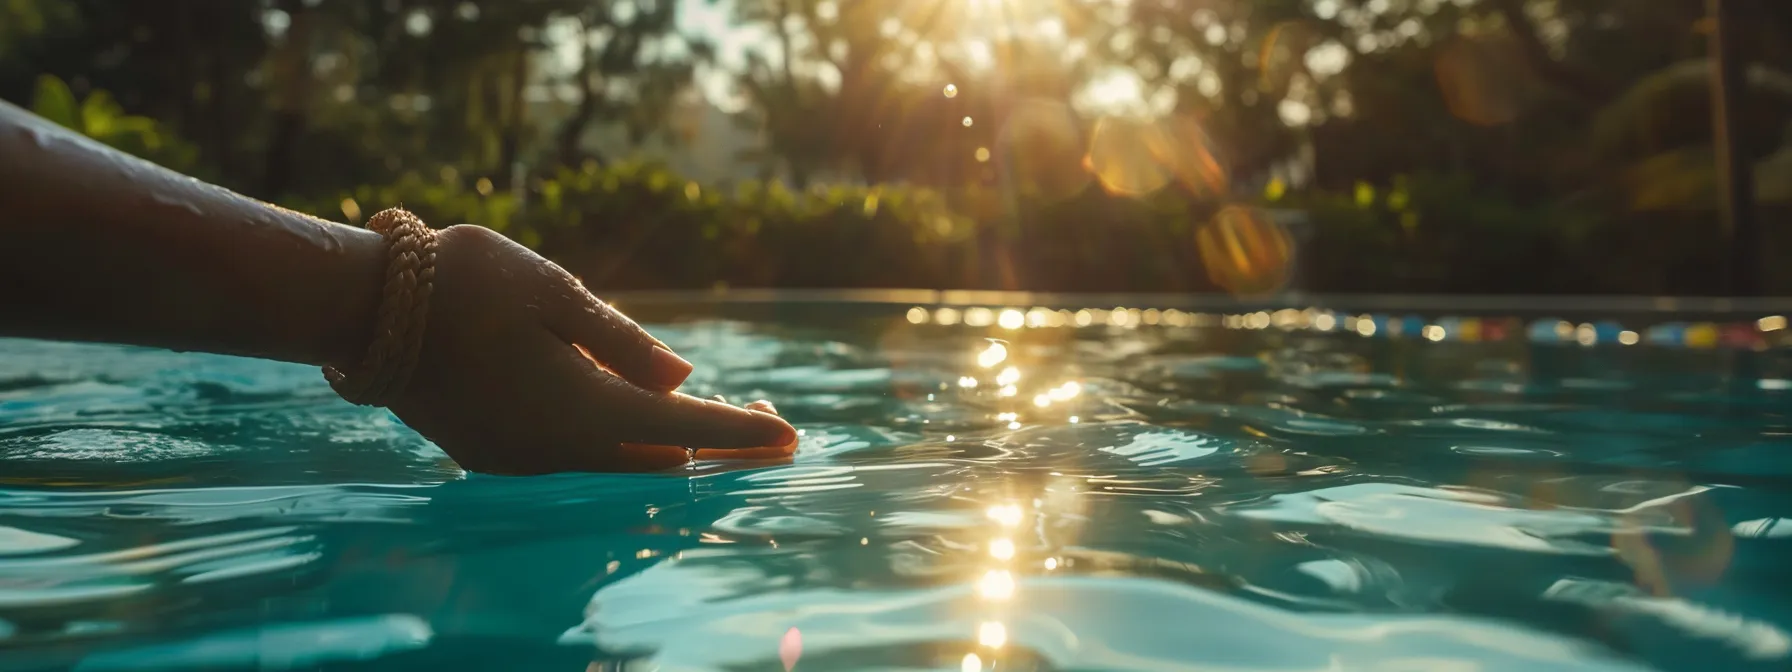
[470, 234]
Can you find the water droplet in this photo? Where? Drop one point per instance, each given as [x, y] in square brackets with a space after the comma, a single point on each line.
[952, 92]
[967, 122]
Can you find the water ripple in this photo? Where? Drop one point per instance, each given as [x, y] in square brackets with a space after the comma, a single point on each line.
[1104, 498]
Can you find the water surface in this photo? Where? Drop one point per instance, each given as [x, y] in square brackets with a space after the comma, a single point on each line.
[1102, 498]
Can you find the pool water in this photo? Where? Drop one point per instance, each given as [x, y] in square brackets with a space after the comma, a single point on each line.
[1098, 498]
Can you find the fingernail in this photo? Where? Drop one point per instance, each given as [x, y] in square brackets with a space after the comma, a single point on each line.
[669, 369]
[786, 433]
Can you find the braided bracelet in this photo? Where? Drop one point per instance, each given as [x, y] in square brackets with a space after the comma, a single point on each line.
[404, 312]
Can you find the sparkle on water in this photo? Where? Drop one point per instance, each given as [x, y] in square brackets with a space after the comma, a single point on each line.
[1122, 496]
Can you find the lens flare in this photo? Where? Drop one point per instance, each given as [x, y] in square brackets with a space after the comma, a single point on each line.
[1283, 54]
[1122, 157]
[1482, 79]
[1181, 146]
[1246, 252]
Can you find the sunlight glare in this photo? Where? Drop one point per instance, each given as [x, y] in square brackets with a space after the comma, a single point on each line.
[1008, 515]
[1001, 549]
[1066, 391]
[992, 634]
[1011, 319]
[997, 584]
[995, 354]
[1117, 92]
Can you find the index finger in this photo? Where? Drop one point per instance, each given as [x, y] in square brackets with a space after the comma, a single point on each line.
[671, 418]
[616, 341]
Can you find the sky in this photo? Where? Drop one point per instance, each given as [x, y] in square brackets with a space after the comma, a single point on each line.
[713, 20]
[1117, 91]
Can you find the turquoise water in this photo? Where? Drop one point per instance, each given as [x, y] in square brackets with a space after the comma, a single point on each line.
[1077, 499]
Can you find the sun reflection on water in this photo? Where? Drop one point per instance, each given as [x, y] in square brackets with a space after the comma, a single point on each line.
[992, 634]
[995, 354]
[1011, 319]
[996, 585]
[1002, 549]
[1009, 515]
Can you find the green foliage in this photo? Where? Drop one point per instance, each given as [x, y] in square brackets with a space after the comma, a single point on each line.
[99, 117]
[636, 225]
[1498, 145]
[1442, 233]
[22, 19]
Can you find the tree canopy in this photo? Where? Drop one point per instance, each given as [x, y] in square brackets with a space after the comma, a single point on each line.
[1597, 107]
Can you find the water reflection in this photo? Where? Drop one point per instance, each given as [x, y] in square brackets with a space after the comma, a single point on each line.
[1002, 549]
[996, 585]
[1008, 515]
[992, 635]
[1310, 497]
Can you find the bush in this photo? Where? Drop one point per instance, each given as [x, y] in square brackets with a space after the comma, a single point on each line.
[100, 118]
[638, 226]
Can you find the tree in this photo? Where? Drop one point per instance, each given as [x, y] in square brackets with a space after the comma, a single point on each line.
[632, 66]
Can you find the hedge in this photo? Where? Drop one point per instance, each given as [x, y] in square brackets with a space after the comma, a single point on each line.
[636, 225]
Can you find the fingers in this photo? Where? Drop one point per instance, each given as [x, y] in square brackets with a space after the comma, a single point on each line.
[617, 342]
[757, 453]
[768, 453]
[760, 453]
[630, 414]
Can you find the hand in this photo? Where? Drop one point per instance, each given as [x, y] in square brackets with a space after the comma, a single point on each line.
[523, 371]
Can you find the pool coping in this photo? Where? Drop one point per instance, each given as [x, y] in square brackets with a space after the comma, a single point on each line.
[1576, 305]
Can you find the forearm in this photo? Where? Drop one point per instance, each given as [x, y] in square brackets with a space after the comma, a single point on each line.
[96, 245]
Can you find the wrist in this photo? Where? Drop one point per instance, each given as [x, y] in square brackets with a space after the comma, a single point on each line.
[379, 376]
[350, 294]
